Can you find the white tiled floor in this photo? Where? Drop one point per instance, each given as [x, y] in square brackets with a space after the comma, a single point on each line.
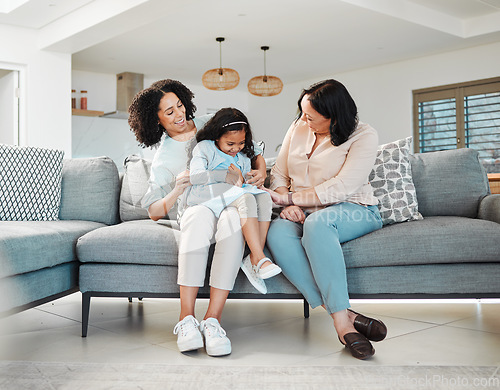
[263, 332]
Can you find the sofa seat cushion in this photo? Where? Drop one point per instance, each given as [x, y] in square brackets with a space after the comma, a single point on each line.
[132, 242]
[433, 240]
[27, 246]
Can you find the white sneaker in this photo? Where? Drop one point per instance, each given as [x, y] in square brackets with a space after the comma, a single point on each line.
[188, 334]
[216, 341]
[269, 271]
[253, 276]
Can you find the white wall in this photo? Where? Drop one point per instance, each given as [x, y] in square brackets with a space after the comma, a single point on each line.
[100, 87]
[383, 94]
[47, 114]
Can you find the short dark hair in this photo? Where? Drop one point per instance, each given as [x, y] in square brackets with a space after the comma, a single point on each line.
[217, 126]
[143, 112]
[331, 99]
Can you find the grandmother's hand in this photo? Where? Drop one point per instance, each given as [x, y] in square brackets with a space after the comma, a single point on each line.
[278, 199]
[256, 178]
[293, 213]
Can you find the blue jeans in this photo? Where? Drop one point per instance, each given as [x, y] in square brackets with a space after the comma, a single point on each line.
[310, 254]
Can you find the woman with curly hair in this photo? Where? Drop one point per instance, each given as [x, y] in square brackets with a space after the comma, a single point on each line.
[164, 114]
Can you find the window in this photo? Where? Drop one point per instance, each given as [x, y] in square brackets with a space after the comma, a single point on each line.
[463, 115]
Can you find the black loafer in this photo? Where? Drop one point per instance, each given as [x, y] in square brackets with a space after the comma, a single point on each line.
[358, 345]
[371, 328]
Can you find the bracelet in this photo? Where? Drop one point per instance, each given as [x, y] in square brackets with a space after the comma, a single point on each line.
[290, 200]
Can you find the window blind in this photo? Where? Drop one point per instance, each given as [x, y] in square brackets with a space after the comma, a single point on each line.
[458, 116]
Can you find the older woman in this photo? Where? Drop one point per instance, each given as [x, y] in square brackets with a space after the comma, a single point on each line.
[164, 114]
[321, 179]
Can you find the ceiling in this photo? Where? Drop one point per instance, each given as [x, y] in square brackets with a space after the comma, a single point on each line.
[307, 39]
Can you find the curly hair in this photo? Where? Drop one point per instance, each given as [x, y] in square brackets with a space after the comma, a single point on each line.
[143, 111]
[217, 126]
[331, 99]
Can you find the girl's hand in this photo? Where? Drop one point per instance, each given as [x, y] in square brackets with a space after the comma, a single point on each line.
[293, 213]
[256, 178]
[182, 181]
[234, 176]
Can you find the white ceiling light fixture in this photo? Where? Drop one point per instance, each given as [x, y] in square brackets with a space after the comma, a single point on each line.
[265, 85]
[220, 79]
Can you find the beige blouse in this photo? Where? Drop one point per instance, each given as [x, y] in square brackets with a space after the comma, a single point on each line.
[337, 173]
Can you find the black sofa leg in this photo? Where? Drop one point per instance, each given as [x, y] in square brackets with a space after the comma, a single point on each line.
[306, 309]
[85, 312]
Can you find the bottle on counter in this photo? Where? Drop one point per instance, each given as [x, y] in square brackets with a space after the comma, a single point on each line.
[83, 100]
[73, 98]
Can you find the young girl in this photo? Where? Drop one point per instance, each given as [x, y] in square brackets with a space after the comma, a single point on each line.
[221, 160]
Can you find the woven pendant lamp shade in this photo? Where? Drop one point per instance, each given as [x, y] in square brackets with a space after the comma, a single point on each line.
[265, 85]
[220, 79]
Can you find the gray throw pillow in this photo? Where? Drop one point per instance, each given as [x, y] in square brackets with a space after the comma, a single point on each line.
[449, 182]
[134, 186]
[392, 183]
[30, 183]
[90, 190]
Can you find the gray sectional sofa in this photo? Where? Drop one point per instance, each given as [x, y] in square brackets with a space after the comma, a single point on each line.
[38, 261]
[105, 245]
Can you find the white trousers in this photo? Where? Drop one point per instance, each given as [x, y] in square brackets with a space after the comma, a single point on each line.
[199, 229]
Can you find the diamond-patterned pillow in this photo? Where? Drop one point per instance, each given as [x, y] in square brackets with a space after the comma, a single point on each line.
[393, 184]
[30, 183]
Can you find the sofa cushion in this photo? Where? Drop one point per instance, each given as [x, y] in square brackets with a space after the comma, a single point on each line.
[450, 182]
[392, 183]
[30, 183]
[134, 186]
[135, 242]
[32, 245]
[433, 240]
[90, 190]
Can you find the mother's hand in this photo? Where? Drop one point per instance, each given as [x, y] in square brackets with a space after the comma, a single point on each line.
[181, 182]
[293, 213]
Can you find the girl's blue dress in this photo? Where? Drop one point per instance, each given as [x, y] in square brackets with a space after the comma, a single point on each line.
[208, 170]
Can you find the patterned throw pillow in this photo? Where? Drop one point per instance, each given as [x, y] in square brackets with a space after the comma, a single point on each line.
[30, 183]
[393, 184]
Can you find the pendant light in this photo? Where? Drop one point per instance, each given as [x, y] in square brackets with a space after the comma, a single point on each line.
[220, 79]
[265, 85]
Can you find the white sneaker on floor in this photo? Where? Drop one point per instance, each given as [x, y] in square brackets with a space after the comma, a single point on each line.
[188, 334]
[252, 274]
[216, 341]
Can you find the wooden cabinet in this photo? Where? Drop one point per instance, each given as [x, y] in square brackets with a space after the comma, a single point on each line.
[494, 179]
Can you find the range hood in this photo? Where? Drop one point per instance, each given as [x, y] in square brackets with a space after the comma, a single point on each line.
[128, 84]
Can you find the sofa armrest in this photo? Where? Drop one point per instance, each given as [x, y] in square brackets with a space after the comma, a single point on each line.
[489, 208]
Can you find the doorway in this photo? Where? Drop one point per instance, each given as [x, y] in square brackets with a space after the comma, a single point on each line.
[9, 106]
